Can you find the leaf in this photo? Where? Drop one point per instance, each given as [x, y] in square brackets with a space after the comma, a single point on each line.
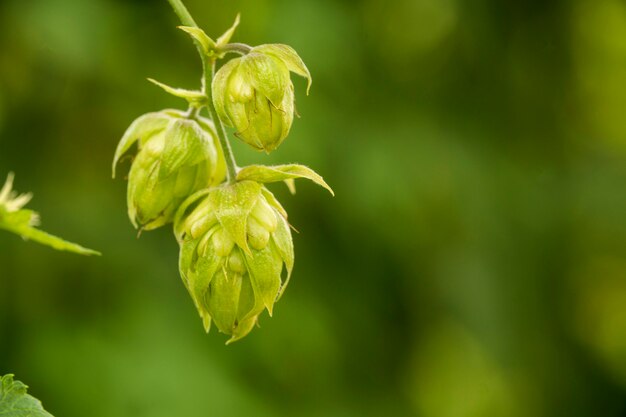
[143, 127]
[225, 38]
[192, 96]
[206, 43]
[290, 58]
[13, 222]
[15, 402]
[22, 222]
[55, 242]
[265, 174]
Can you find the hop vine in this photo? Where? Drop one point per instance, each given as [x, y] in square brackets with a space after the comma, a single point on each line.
[236, 249]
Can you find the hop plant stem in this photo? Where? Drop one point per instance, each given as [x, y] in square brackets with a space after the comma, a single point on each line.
[208, 65]
[209, 73]
[239, 48]
[182, 13]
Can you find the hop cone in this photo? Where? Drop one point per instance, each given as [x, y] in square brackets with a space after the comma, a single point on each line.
[234, 240]
[254, 94]
[176, 158]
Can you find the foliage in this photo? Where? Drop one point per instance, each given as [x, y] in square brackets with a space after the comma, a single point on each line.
[15, 402]
[23, 222]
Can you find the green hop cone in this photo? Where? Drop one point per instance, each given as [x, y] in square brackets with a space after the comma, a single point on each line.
[254, 94]
[234, 240]
[177, 157]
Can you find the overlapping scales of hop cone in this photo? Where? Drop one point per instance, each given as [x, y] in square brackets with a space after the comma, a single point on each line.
[176, 157]
[254, 94]
[236, 254]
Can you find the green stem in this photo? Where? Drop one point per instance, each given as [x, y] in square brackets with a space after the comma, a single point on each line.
[239, 48]
[182, 13]
[208, 73]
[192, 112]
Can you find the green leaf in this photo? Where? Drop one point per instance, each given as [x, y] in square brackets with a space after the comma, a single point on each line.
[194, 97]
[15, 402]
[22, 222]
[290, 58]
[265, 174]
[206, 43]
[142, 128]
[225, 38]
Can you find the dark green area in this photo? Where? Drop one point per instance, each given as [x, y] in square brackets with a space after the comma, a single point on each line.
[473, 262]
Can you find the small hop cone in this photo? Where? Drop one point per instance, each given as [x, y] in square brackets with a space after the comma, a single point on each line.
[234, 240]
[254, 94]
[176, 158]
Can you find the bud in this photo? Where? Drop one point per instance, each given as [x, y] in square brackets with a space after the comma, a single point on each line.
[234, 240]
[177, 157]
[254, 94]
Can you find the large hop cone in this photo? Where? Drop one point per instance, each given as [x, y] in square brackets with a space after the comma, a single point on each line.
[177, 157]
[234, 241]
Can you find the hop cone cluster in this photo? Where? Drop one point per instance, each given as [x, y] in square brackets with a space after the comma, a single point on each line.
[236, 251]
[234, 241]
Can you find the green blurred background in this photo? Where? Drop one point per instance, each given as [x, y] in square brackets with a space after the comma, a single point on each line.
[472, 264]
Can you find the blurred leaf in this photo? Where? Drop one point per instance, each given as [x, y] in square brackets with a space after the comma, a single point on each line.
[22, 222]
[15, 402]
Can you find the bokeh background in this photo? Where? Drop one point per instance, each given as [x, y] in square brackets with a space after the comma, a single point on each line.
[472, 264]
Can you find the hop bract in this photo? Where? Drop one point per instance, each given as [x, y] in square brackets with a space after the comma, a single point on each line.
[234, 241]
[254, 94]
[177, 157]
